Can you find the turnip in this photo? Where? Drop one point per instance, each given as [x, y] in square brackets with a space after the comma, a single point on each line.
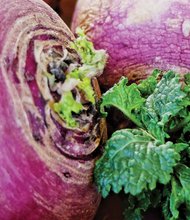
[139, 35]
[49, 124]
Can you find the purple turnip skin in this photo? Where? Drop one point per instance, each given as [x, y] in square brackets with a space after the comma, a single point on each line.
[139, 35]
[45, 168]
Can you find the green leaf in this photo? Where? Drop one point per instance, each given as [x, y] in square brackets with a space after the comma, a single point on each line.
[184, 177]
[126, 98]
[186, 133]
[66, 106]
[86, 87]
[135, 161]
[186, 89]
[84, 84]
[187, 78]
[179, 195]
[176, 198]
[168, 97]
[133, 214]
[147, 86]
[180, 124]
[179, 121]
[93, 63]
[166, 202]
[164, 103]
[137, 205]
[92, 58]
[179, 147]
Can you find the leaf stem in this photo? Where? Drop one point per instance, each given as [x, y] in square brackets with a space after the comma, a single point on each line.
[131, 117]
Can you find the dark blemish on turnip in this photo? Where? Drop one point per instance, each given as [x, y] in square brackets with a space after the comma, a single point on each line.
[58, 71]
[67, 175]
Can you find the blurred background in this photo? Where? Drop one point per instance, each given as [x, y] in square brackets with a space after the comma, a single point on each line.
[64, 8]
[112, 207]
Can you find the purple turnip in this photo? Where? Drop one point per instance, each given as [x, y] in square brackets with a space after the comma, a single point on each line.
[46, 163]
[139, 35]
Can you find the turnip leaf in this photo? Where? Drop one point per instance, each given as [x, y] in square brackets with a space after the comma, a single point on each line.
[134, 161]
[126, 98]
